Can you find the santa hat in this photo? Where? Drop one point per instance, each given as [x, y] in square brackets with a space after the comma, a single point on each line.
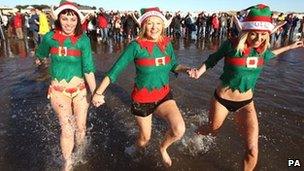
[148, 12]
[258, 19]
[68, 4]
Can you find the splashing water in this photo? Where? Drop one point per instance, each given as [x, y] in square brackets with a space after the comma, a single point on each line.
[79, 155]
[192, 143]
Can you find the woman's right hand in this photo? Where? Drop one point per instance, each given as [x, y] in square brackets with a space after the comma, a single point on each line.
[98, 99]
[196, 73]
[192, 73]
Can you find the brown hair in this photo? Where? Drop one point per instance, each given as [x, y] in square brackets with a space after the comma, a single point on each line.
[78, 30]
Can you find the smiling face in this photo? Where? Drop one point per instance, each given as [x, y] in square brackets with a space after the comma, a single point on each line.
[153, 28]
[68, 23]
[257, 38]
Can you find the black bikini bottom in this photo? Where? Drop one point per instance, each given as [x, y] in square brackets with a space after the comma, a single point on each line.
[232, 106]
[145, 109]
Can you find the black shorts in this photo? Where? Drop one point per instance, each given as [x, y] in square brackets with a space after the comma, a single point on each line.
[145, 109]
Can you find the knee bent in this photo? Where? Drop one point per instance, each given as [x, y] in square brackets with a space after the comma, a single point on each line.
[214, 129]
[144, 138]
[143, 141]
[252, 152]
[178, 131]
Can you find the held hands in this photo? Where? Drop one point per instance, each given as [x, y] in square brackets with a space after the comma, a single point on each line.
[196, 73]
[38, 62]
[98, 99]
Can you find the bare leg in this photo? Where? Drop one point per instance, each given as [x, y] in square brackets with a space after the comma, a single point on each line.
[217, 115]
[62, 106]
[145, 126]
[81, 105]
[249, 128]
[170, 112]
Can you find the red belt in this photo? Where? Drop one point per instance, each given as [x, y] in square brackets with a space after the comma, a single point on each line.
[63, 51]
[153, 61]
[249, 62]
[70, 90]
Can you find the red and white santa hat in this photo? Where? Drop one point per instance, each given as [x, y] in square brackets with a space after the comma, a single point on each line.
[258, 19]
[148, 12]
[68, 4]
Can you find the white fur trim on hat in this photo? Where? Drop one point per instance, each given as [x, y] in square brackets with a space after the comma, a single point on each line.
[153, 13]
[69, 6]
[257, 25]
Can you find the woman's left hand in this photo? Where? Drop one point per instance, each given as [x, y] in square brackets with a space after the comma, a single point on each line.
[98, 100]
[278, 26]
[38, 62]
[192, 73]
[296, 44]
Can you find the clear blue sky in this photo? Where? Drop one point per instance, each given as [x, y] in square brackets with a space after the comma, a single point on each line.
[173, 5]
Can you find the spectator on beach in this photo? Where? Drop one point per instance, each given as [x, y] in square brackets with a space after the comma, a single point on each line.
[215, 23]
[103, 24]
[130, 26]
[34, 26]
[18, 25]
[287, 27]
[301, 29]
[294, 24]
[168, 17]
[2, 37]
[201, 25]
[189, 26]
[176, 25]
[44, 25]
[4, 19]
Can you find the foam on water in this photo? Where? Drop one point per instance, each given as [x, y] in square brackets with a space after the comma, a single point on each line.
[192, 143]
[79, 155]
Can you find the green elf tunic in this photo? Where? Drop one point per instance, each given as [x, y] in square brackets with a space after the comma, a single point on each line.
[70, 56]
[241, 70]
[153, 62]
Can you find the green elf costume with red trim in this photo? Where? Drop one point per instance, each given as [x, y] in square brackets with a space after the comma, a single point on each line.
[242, 69]
[70, 56]
[153, 62]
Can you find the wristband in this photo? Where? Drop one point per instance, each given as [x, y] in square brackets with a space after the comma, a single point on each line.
[100, 94]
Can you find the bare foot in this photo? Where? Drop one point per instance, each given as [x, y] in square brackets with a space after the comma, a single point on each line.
[166, 158]
[67, 166]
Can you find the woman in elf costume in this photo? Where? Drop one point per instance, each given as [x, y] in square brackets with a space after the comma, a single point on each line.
[244, 60]
[154, 58]
[72, 71]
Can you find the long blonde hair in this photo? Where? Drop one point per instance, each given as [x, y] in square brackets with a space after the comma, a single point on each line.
[242, 42]
[142, 32]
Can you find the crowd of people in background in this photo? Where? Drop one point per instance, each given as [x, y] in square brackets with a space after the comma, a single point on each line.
[64, 35]
[102, 25]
